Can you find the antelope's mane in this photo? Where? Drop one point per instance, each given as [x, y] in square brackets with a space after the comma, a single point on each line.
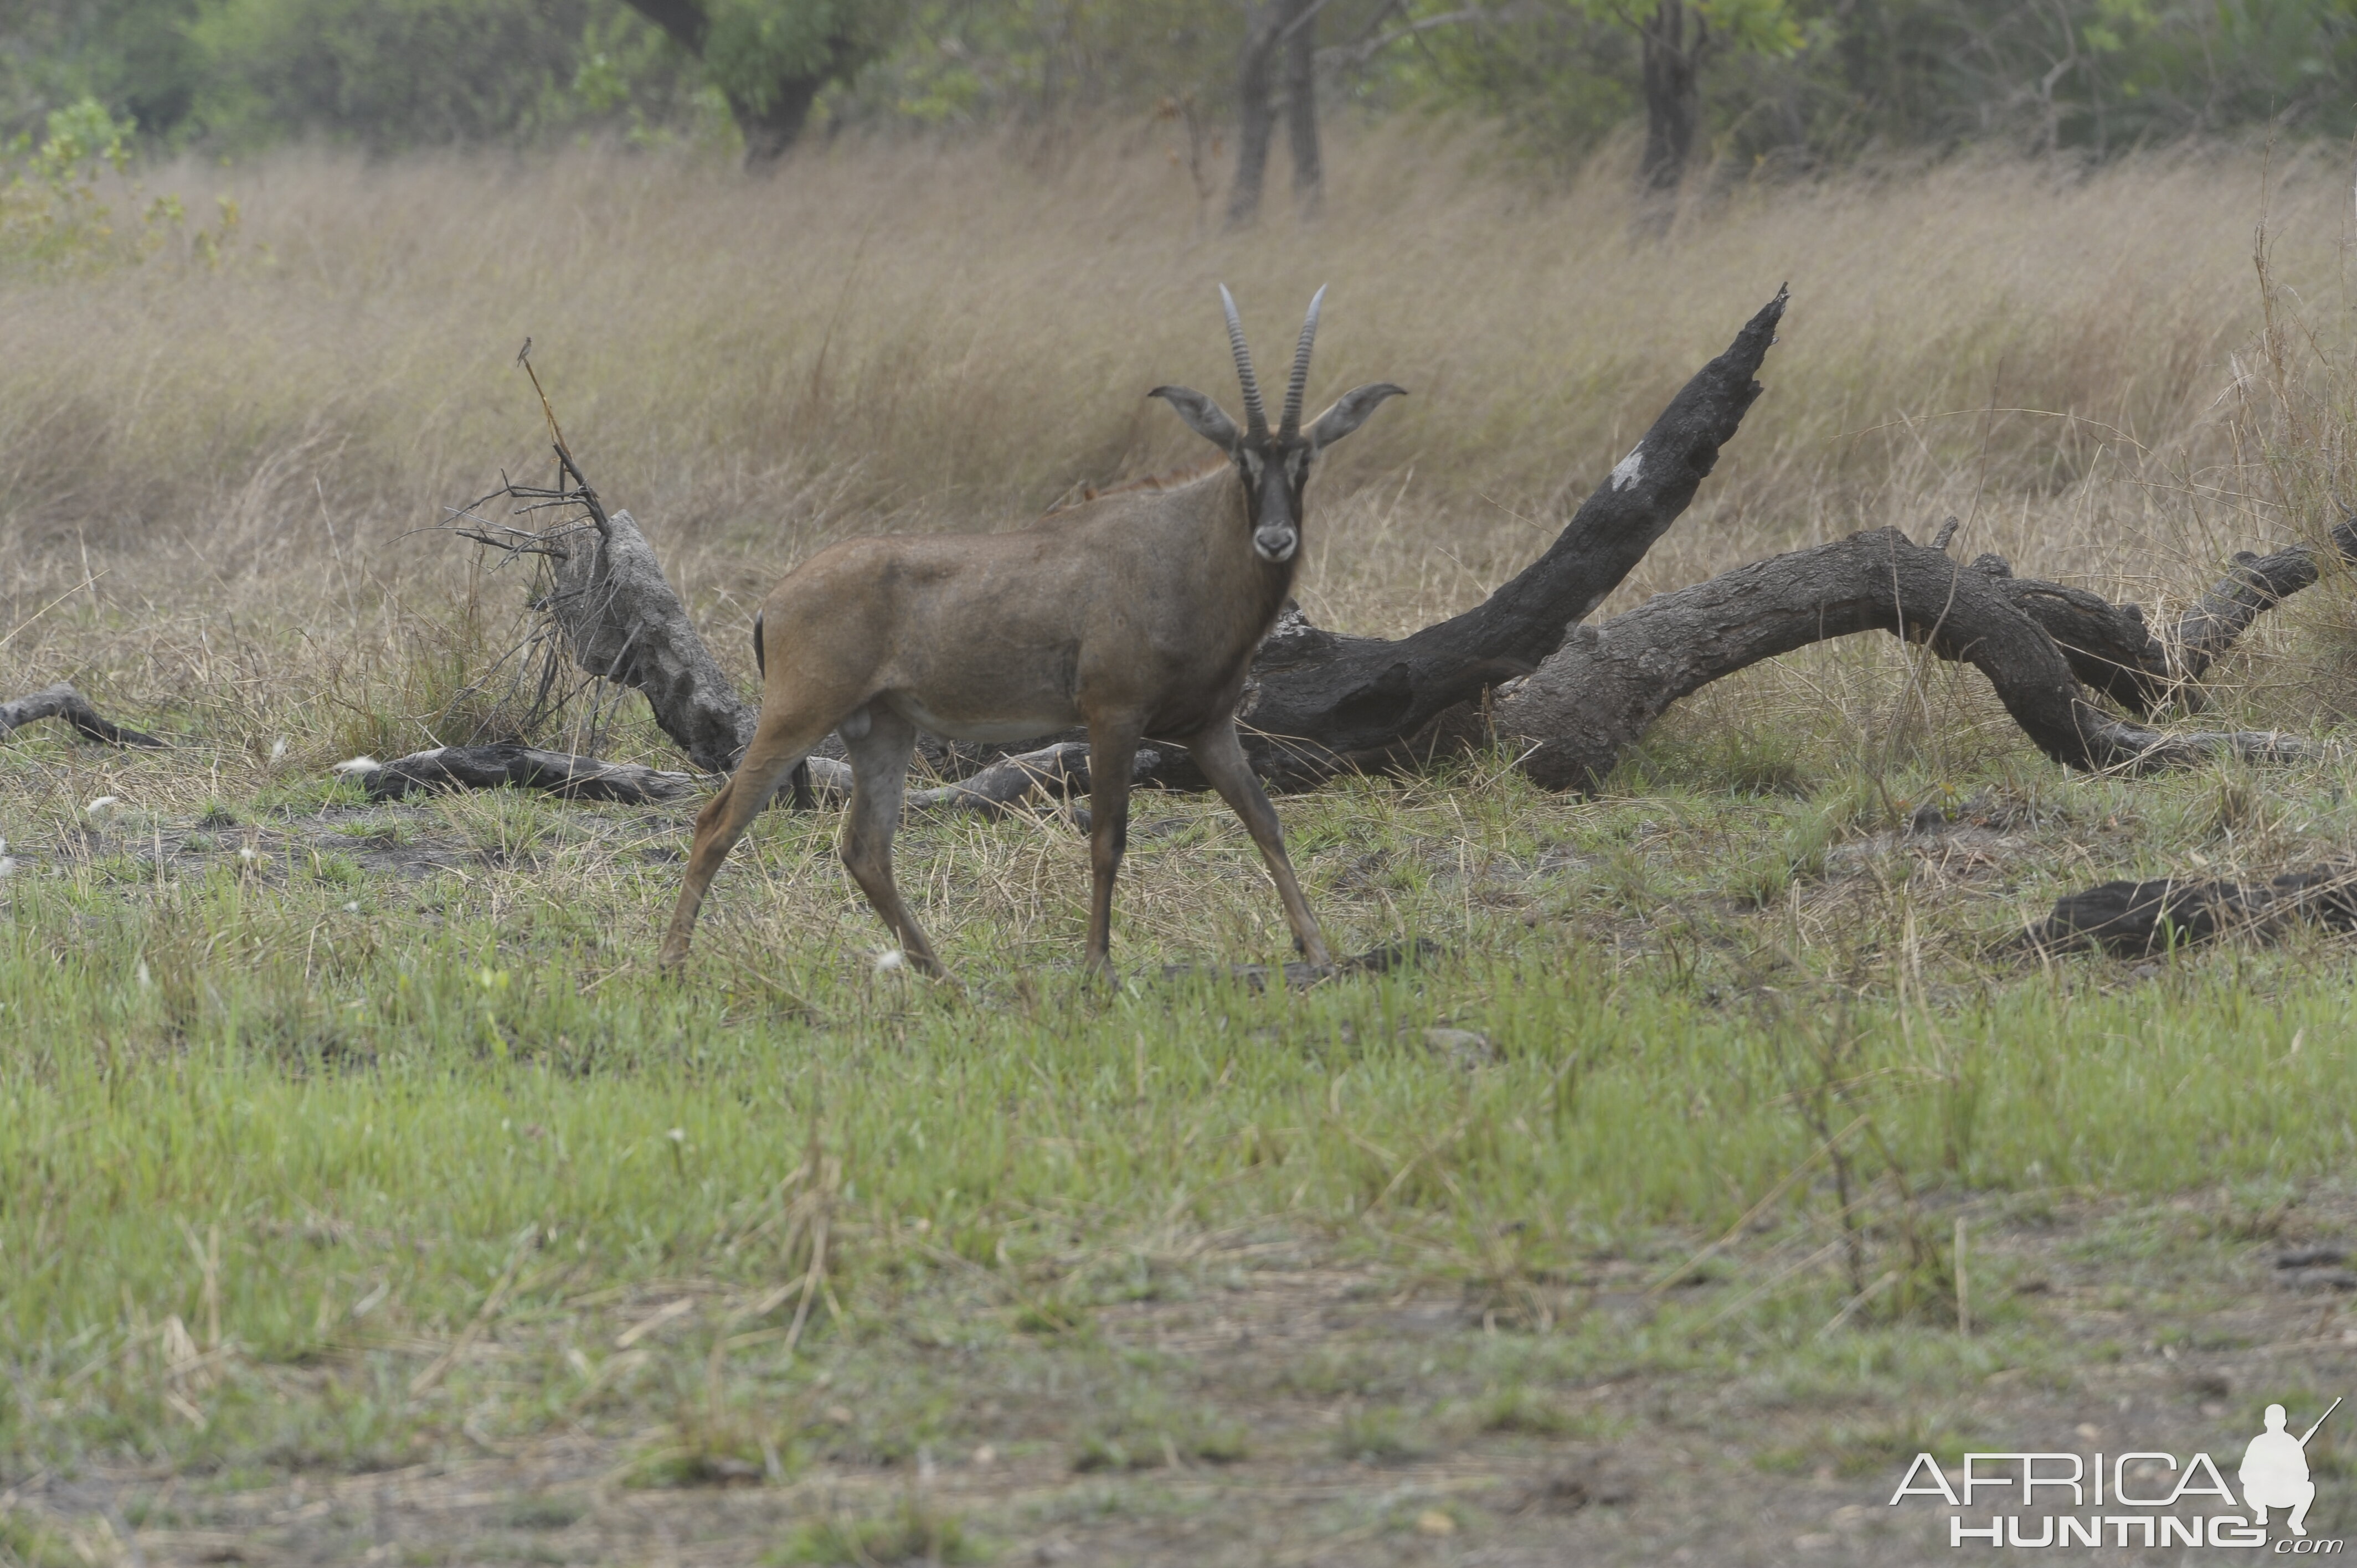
[1199, 469]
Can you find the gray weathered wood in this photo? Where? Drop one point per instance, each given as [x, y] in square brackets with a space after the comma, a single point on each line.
[519, 766]
[1600, 693]
[2113, 652]
[624, 622]
[1321, 703]
[63, 701]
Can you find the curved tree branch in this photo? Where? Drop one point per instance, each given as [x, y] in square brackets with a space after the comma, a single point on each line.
[623, 621]
[521, 766]
[2111, 651]
[63, 701]
[1321, 703]
[1604, 689]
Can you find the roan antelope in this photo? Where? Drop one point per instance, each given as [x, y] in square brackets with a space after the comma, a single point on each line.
[1137, 615]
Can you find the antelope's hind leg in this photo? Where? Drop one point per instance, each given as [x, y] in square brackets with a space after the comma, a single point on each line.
[779, 745]
[879, 777]
[1221, 758]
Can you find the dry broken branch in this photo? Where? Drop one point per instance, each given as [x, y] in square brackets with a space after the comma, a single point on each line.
[1322, 702]
[603, 591]
[2111, 651]
[1053, 772]
[2132, 919]
[524, 767]
[624, 623]
[63, 701]
[1604, 689]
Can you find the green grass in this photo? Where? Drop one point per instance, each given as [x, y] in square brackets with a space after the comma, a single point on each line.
[343, 1143]
[911, 1533]
[290, 1184]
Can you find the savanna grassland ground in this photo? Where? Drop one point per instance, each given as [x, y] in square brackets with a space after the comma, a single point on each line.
[364, 1196]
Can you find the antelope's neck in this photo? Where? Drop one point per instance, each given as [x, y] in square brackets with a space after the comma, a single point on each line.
[1248, 588]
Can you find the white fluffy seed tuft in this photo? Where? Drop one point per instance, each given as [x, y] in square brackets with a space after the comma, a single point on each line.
[357, 764]
[101, 807]
[890, 960]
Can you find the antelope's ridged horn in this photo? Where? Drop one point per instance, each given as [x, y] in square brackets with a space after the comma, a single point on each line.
[1291, 427]
[1255, 416]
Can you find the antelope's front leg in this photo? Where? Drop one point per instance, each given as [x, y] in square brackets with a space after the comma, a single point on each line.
[1112, 750]
[1221, 758]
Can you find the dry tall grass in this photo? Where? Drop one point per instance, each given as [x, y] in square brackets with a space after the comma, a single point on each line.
[887, 338]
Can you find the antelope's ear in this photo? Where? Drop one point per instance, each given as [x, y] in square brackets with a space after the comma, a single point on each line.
[1203, 416]
[1350, 411]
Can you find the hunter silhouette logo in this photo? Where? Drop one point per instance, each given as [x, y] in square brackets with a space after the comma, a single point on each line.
[2137, 1498]
[2275, 1471]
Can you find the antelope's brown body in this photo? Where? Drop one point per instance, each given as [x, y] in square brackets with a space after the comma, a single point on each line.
[1136, 614]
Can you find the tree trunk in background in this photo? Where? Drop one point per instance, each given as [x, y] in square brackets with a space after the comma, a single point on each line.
[1255, 116]
[769, 128]
[682, 21]
[1302, 105]
[769, 131]
[1673, 96]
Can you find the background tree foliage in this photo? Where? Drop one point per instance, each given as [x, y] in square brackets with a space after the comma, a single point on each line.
[1797, 82]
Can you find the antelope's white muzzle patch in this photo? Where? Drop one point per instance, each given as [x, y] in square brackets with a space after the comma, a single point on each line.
[1275, 544]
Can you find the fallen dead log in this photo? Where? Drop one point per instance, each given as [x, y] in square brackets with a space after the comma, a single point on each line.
[1053, 772]
[63, 701]
[604, 592]
[2111, 651]
[1605, 688]
[2134, 919]
[1006, 787]
[1320, 703]
[623, 622]
[521, 766]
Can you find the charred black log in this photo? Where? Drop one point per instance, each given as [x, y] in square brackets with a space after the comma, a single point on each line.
[63, 701]
[1321, 703]
[2134, 919]
[1318, 704]
[521, 766]
[1604, 689]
